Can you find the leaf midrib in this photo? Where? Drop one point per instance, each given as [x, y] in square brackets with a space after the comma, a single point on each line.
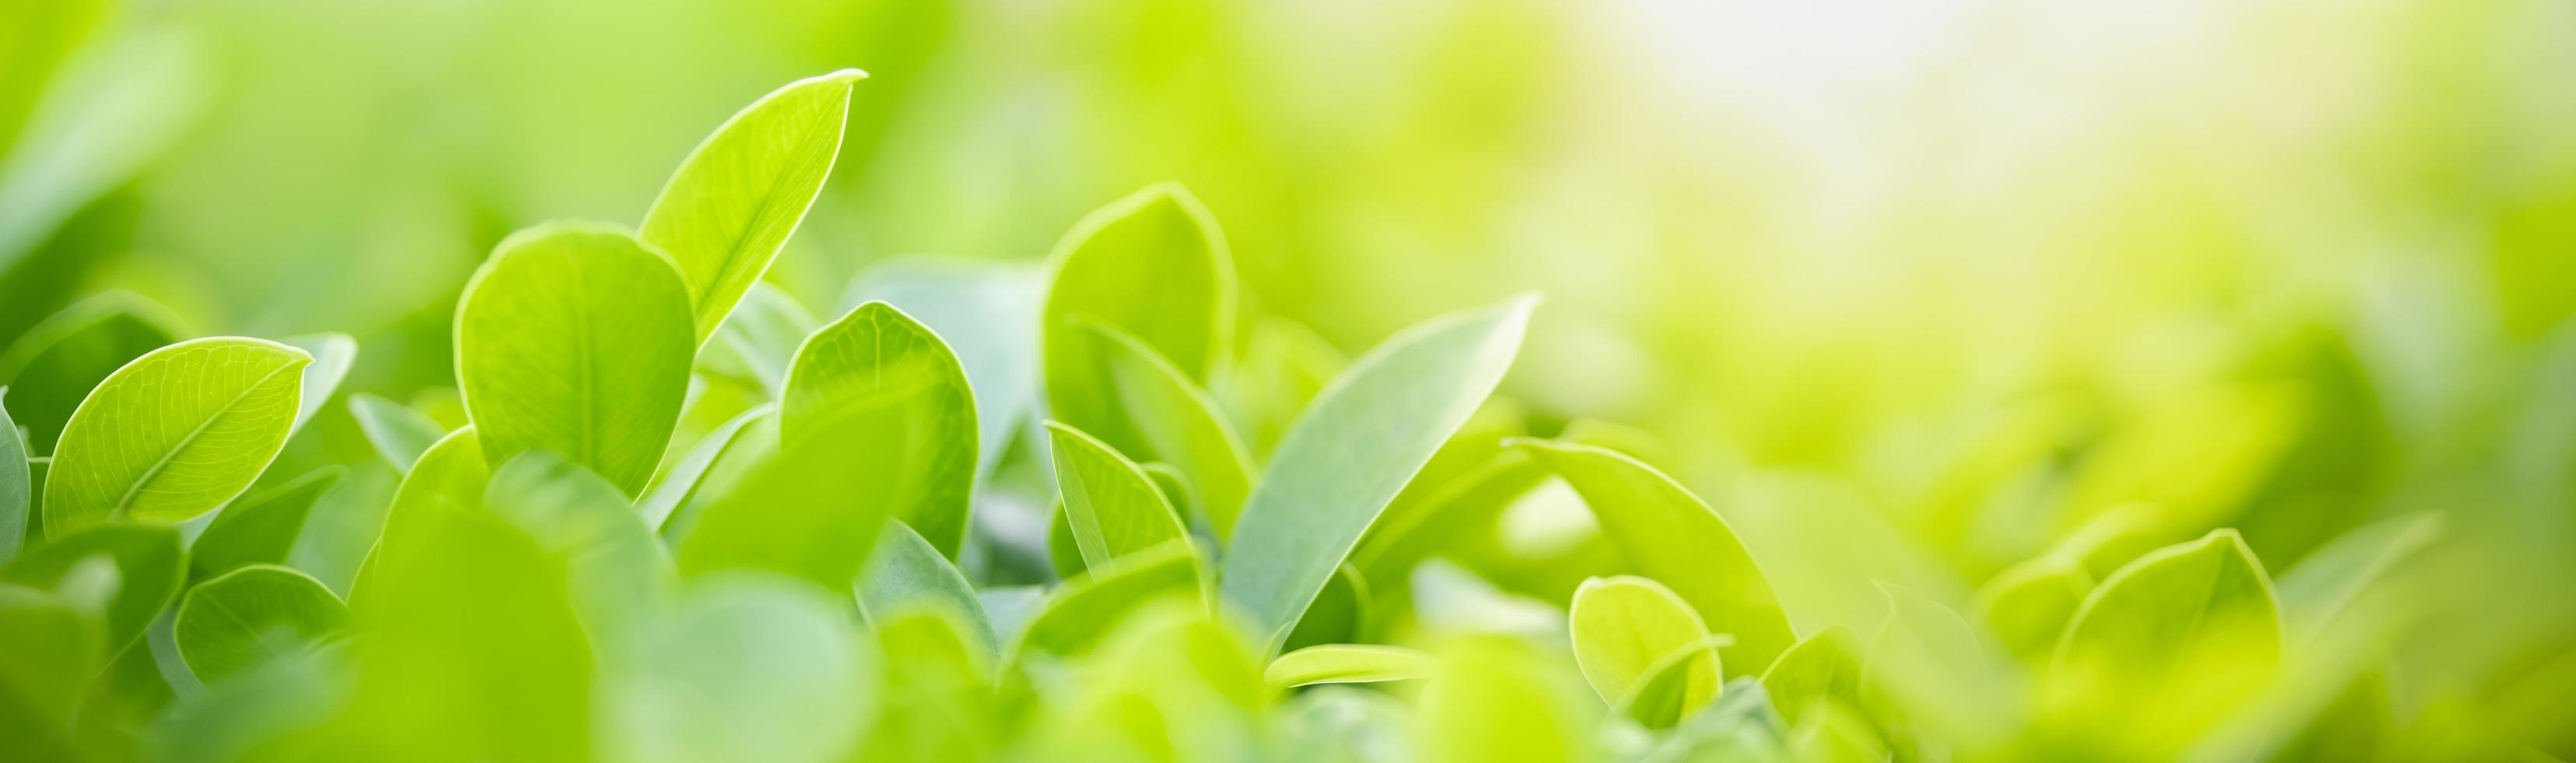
[126, 502]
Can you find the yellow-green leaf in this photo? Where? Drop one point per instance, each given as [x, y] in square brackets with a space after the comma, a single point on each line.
[908, 575]
[1824, 667]
[15, 486]
[1076, 616]
[333, 354]
[1623, 627]
[398, 433]
[1348, 663]
[1489, 699]
[50, 369]
[1671, 688]
[2029, 604]
[805, 511]
[2166, 647]
[149, 563]
[249, 615]
[740, 194]
[174, 434]
[1174, 421]
[880, 389]
[1111, 506]
[1153, 265]
[261, 528]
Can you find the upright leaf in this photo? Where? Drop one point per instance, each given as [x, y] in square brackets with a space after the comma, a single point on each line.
[2029, 604]
[1358, 445]
[333, 354]
[149, 564]
[56, 364]
[250, 615]
[1665, 532]
[1821, 668]
[908, 575]
[1626, 626]
[2166, 647]
[615, 569]
[756, 343]
[987, 313]
[1669, 689]
[398, 433]
[1152, 265]
[805, 511]
[14, 486]
[688, 479]
[1110, 504]
[738, 196]
[1175, 423]
[448, 480]
[260, 528]
[1284, 366]
[175, 433]
[889, 397]
[1075, 617]
[574, 338]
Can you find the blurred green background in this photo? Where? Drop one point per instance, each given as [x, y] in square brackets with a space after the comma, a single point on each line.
[1914, 290]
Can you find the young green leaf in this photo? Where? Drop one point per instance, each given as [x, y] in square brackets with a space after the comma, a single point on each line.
[739, 195]
[175, 433]
[885, 392]
[756, 343]
[249, 615]
[1174, 422]
[1665, 532]
[49, 651]
[15, 485]
[1112, 507]
[987, 313]
[260, 528]
[1823, 667]
[614, 566]
[1076, 616]
[333, 354]
[1347, 663]
[574, 338]
[1488, 700]
[1359, 444]
[744, 668]
[1153, 265]
[448, 480]
[150, 564]
[2029, 604]
[1670, 688]
[689, 479]
[56, 364]
[1623, 627]
[398, 433]
[908, 574]
[805, 511]
[2167, 646]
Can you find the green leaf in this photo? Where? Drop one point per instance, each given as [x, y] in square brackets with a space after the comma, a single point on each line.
[1624, 626]
[808, 511]
[1284, 366]
[2166, 647]
[756, 343]
[1355, 449]
[741, 441]
[1078, 615]
[150, 564]
[175, 433]
[448, 480]
[1340, 613]
[121, 104]
[1665, 532]
[35, 41]
[1347, 663]
[574, 338]
[49, 651]
[1824, 667]
[1112, 507]
[333, 354]
[739, 195]
[260, 528]
[743, 668]
[1175, 421]
[1670, 689]
[15, 486]
[56, 364]
[908, 575]
[615, 568]
[2029, 604]
[1489, 699]
[885, 392]
[2326, 582]
[398, 433]
[1152, 265]
[987, 313]
[245, 617]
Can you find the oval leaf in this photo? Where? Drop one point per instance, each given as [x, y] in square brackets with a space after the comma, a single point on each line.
[1175, 422]
[175, 433]
[1347, 663]
[1823, 667]
[1623, 627]
[1111, 506]
[908, 575]
[987, 313]
[574, 338]
[2167, 646]
[738, 196]
[884, 392]
[614, 565]
[1670, 688]
[686, 480]
[1358, 445]
[1153, 265]
[249, 615]
[803, 511]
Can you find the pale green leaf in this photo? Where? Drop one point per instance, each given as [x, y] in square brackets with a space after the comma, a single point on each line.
[150, 565]
[1073, 618]
[574, 338]
[1665, 532]
[743, 668]
[1340, 613]
[1674, 686]
[2029, 604]
[1153, 265]
[2326, 582]
[1175, 422]
[689, 480]
[174, 434]
[333, 354]
[261, 528]
[2166, 647]
[49, 651]
[987, 313]
[908, 574]
[808, 510]
[1358, 445]
[250, 615]
[1489, 699]
[1347, 663]
[615, 567]
[884, 392]
[1622, 627]
[35, 41]
[740, 194]
[1284, 366]
[1824, 667]
[1111, 506]
[448, 480]
[54, 366]
[398, 433]
[756, 343]
[114, 111]
[15, 486]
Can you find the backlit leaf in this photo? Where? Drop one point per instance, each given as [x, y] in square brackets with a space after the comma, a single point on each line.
[247, 616]
[1823, 667]
[888, 396]
[1076, 616]
[2327, 581]
[615, 568]
[1670, 688]
[333, 354]
[1175, 423]
[756, 343]
[687, 481]
[907, 575]
[806, 510]
[1112, 508]
[740, 194]
[1624, 627]
[1348, 663]
[175, 433]
[398, 433]
[2167, 646]
[2029, 604]
[1152, 265]
[987, 313]
[1487, 700]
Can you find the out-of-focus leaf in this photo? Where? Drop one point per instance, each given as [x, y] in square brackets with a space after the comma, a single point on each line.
[1668, 689]
[1076, 616]
[885, 392]
[1358, 445]
[15, 486]
[614, 566]
[250, 615]
[946, 709]
[256, 712]
[1665, 532]
[150, 564]
[1348, 663]
[2192, 460]
[574, 338]
[987, 313]
[1112, 508]
[2165, 647]
[1623, 626]
[260, 528]
[1740, 726]
[97, 125]
[1153, 265]
[35, 40]
[1932, 666]
[398, 433]
[908, 574]
[1490, 699]
[175, 433]
[333, 354]
[1340, 613]
[56, 364]
[49, 649]
[1458, 495]
[448, 480]
[757, 342]
[1822, 667]
[740, 194]
[1284, 366]
[808, 511]
[2029, 604]
[2322, 585]
[744, 667]
[740, 442]
[1174, 420]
